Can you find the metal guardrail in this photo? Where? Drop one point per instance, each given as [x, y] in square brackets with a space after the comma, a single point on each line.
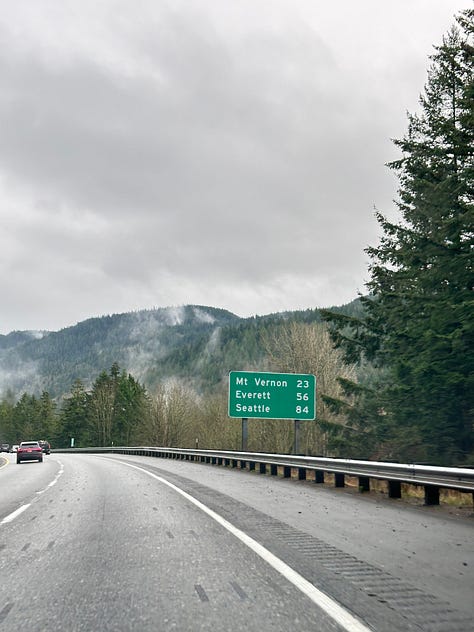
[432, 478]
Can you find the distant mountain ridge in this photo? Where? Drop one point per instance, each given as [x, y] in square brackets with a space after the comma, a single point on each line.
[195, 343]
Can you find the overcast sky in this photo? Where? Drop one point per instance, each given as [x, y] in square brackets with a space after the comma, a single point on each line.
[217, 152]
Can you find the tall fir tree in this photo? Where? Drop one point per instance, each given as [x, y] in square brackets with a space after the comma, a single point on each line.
[130, 409]
[419, 311]
[75, 423]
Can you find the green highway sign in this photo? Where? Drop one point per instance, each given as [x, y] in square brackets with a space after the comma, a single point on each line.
[272, 395]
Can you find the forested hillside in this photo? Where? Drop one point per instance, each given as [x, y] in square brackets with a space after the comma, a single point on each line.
[142, 342]
[159, 376]
[196, 344]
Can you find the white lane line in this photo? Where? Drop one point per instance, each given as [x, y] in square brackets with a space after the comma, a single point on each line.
[23, 508]
[15, 513]
[339, 614]
[54, 481]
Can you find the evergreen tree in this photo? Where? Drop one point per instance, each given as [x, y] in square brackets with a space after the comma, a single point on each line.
[130, 409]
[419, 312]
[117, 407]
[48, 418]
[27, 418]
[75, 418]
[8, 432]
[101, 406]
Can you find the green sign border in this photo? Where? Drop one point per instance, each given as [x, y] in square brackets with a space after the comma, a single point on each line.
[271, 395]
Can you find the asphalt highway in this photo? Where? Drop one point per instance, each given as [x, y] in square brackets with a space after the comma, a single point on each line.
[90, 542]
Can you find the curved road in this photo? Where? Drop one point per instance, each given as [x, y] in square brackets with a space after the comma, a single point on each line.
[91, 542]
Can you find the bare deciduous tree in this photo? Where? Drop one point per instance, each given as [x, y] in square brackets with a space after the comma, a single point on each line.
[307, 348]
[172, 411]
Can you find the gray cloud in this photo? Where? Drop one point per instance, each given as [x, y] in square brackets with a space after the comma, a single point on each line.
[223, 155]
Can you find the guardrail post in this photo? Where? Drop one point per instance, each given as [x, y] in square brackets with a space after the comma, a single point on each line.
[394, 489]
[364, 484]
[251, 465]
[273, 469]
[286, 471]
[301, 473]
[431, 495]
[318, 476]
[339, 479]
[262, 468]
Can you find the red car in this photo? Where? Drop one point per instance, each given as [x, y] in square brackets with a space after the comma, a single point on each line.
[29, 451]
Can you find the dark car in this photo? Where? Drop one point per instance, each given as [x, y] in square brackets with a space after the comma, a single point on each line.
[45, 446]
[29, 451]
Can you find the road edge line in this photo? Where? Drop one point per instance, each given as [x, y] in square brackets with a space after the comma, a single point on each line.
[331, 607]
